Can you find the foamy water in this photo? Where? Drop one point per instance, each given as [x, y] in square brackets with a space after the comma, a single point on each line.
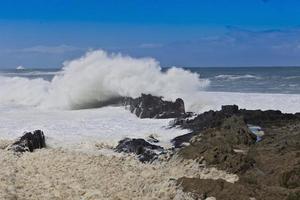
[73, 166]
[99, 77]
[83, 129]
[28, 103]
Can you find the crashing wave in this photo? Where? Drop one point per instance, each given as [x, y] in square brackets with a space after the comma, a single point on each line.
[98, 77]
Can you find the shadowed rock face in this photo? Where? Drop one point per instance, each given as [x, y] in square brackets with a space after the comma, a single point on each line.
[145, 151]
[202, 188]
[212, 119]
[29, 142]
[217, 146]
[148, 106]
[268, 169]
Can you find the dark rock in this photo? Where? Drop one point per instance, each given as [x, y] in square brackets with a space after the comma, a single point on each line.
[148, 106]
[212, 119]
[230, 109]
[217, 146]
[294, 195]
[145, 151]
[268, 169]
[152, 139]
[29, 142]
[220, 189]
[291, 179]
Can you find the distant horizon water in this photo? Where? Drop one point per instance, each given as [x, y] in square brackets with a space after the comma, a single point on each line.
[282, 80]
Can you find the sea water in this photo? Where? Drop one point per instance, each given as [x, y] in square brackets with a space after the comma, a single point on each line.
[56, 100]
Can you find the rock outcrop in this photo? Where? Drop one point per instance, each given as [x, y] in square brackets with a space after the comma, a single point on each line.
[29, 142]
[223, 146]
[148, 106]
[145, 151]
[268, 169]
[212, 119]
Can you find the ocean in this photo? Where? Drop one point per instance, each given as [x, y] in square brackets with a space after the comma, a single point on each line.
[64, 103]
[282, 80]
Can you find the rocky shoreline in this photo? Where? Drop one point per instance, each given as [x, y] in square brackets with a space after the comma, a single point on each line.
[267, 163]
[268, 168]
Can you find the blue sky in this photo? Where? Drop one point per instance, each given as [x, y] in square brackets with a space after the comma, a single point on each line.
[40, 34]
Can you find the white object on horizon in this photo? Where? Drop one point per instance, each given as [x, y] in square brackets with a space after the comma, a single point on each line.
[20, 67]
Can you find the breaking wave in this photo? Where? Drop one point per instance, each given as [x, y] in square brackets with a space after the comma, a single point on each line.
[99, 77]
[236, 77]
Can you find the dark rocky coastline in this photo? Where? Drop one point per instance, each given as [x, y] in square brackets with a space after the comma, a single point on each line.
[145, 151]
[29, 142]
[148, 106]
[267, 169]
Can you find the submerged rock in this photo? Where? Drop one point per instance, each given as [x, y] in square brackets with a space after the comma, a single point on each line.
[148, 106]
[29, 142]
[145, 151]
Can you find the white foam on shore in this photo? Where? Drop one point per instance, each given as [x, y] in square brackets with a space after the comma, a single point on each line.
[83, 129]
[28, 104]
[56, 174]
[287, 103]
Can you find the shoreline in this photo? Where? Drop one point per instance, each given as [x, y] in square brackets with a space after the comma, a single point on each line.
[217, 159]
[63, 174]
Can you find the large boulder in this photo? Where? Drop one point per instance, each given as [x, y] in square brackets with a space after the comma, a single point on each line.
[148, 106]
[145, 151]
[29, 142]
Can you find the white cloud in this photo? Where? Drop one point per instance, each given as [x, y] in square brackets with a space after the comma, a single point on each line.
[50, 49]
[150, 45]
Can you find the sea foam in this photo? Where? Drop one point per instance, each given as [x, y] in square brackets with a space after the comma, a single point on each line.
[98, 77]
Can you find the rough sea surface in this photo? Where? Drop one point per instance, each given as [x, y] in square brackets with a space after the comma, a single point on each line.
[51, 99]
[79, 162]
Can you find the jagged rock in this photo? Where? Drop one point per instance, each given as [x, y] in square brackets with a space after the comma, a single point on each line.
[145, 151]
[217, 145]
[230, 109]
[212, 119]
[148, 106]
[268, 169]
[203, 188]
[152, 139]
[29, 142]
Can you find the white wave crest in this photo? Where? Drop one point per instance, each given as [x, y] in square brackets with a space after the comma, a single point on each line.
[98, 77]
[236, 77]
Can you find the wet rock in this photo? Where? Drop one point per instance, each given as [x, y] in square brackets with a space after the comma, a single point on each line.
[152, 139]
[217, 146]
[148, 106]
[212, 119]
[29, 142]
[203, 188]
[230, 109]
[145, 151]
[268, 169]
